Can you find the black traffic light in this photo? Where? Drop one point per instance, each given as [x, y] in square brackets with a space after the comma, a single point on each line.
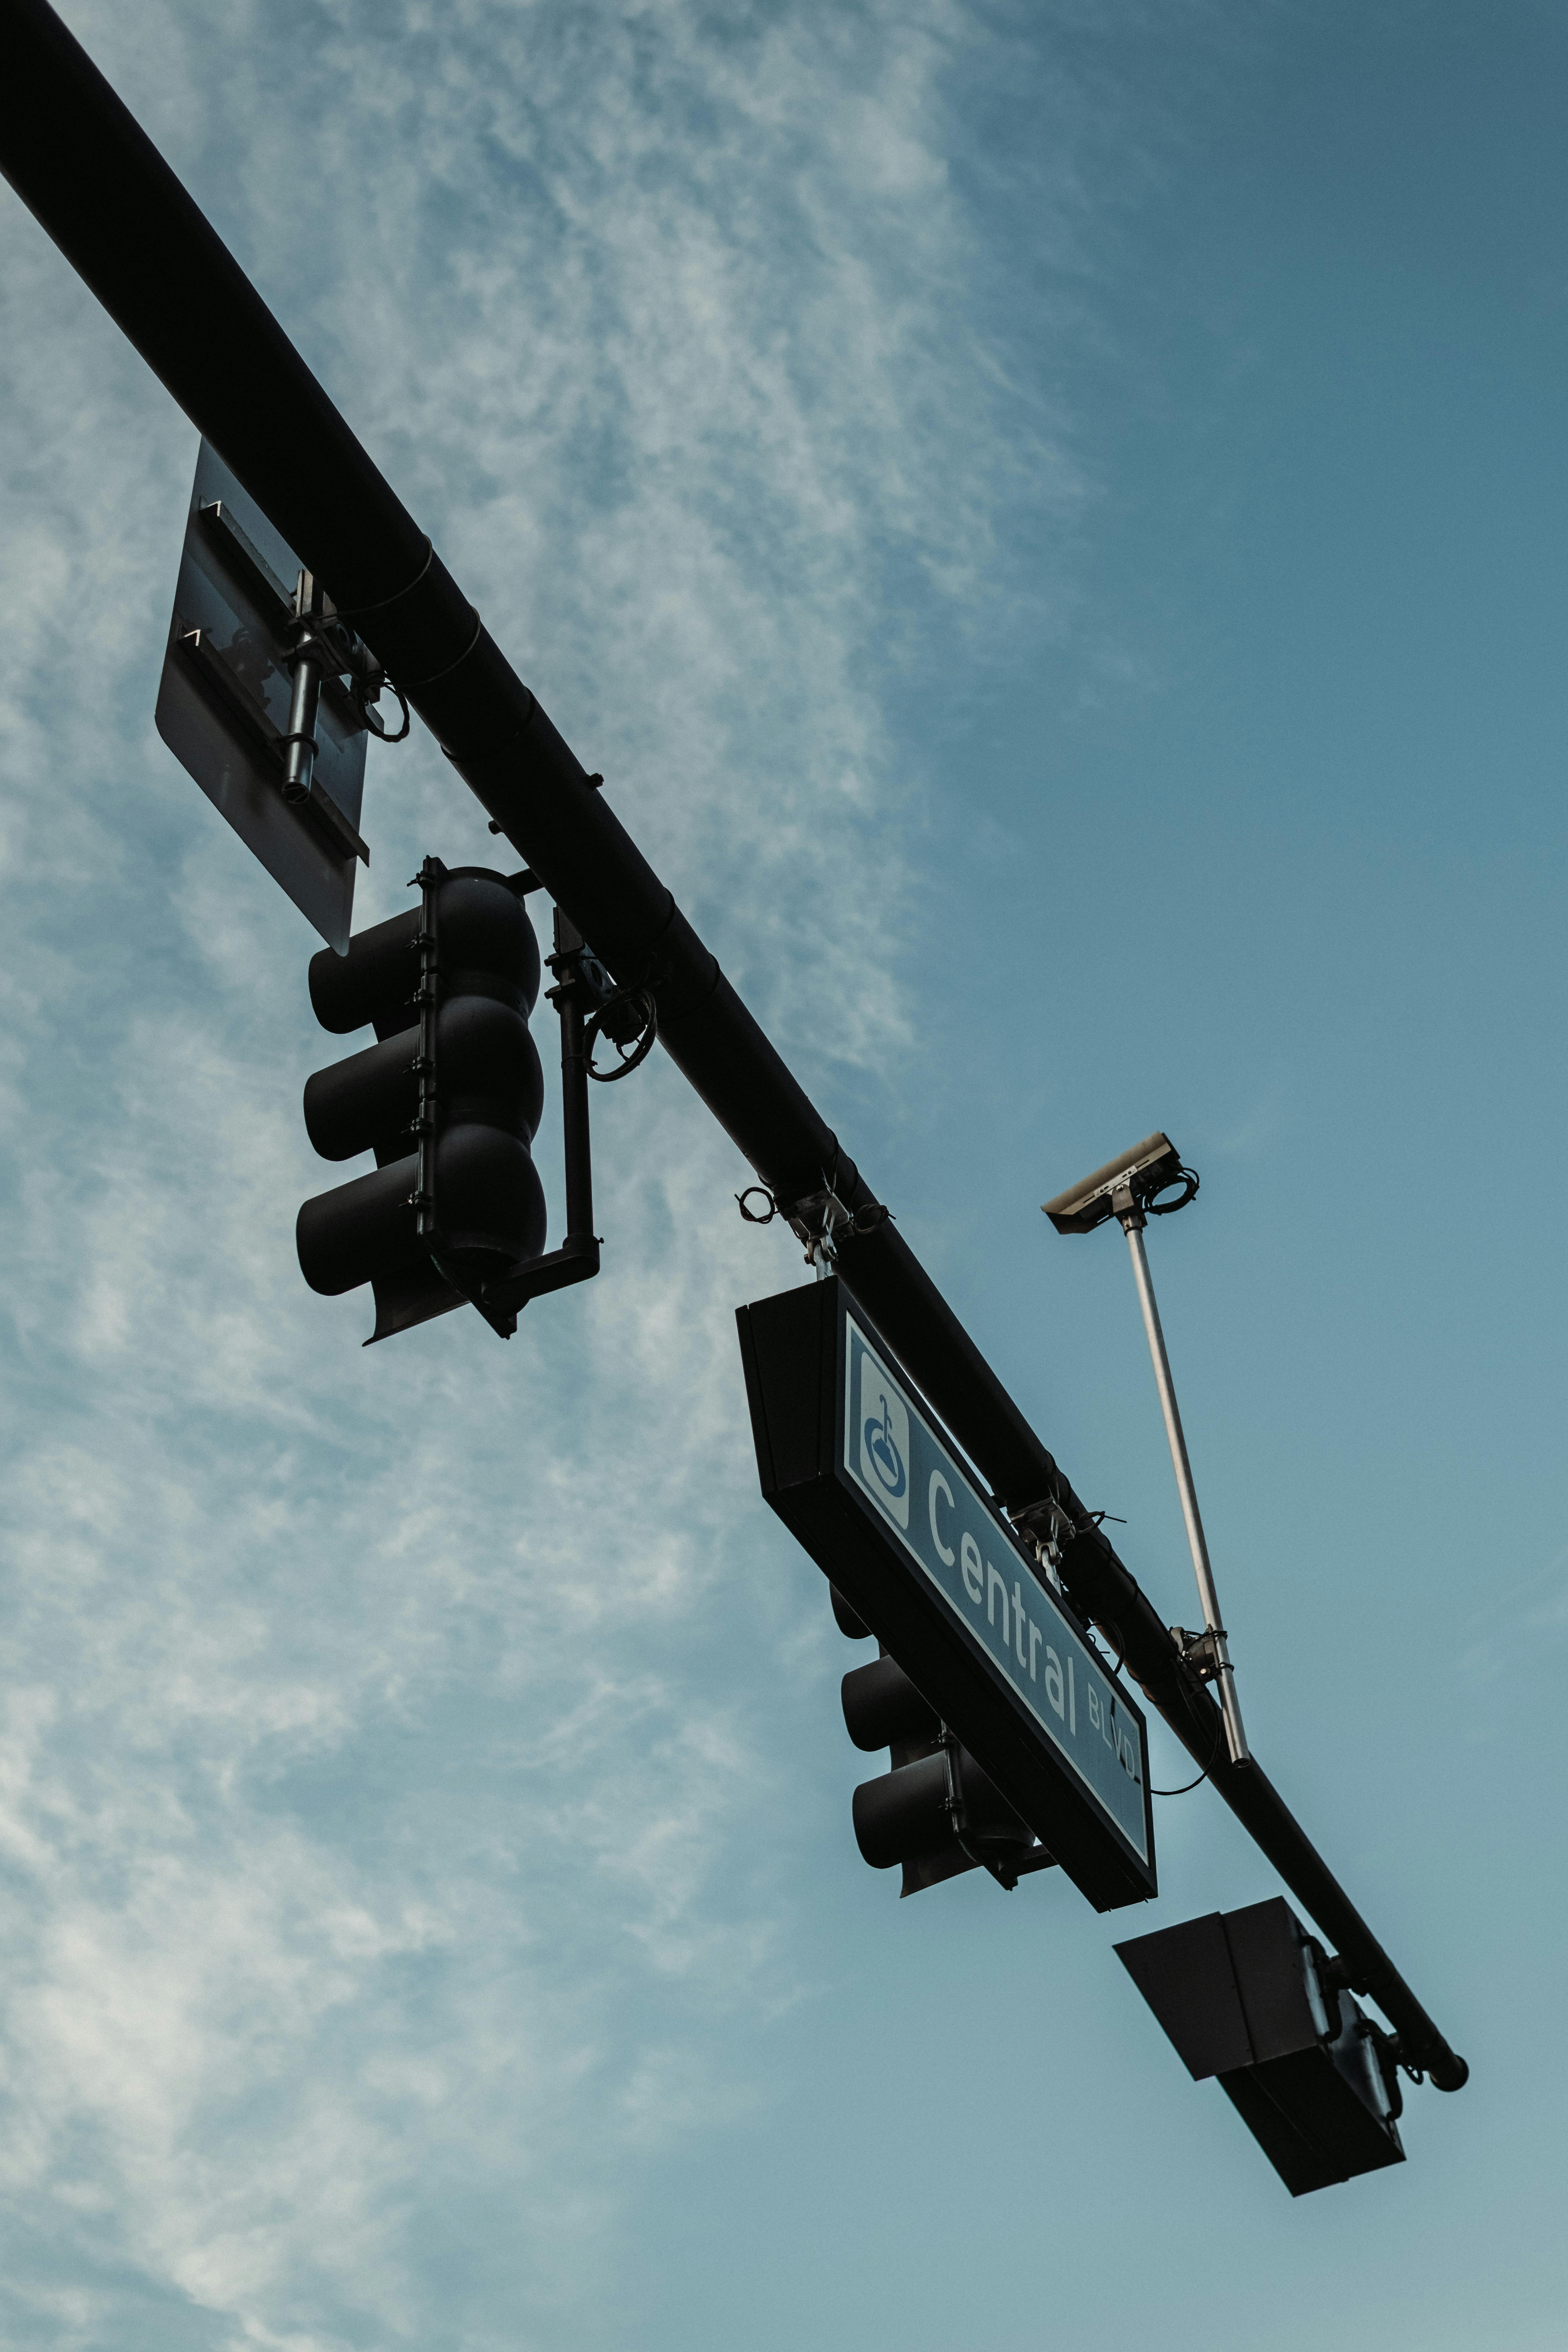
[448, 1099]
[1250, 1997]
[936, 1812]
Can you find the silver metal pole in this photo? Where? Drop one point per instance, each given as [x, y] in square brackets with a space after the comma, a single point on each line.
[304, 703]
[1236, 1737]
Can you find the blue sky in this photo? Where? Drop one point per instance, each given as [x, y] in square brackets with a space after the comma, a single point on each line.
[1049, 521]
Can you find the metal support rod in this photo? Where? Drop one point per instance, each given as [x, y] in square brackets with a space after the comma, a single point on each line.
[575, 1120]
[300, 743]
[305, 670]
[427, 996]
[93, 179]
[577, 1259]
[1235, 1736]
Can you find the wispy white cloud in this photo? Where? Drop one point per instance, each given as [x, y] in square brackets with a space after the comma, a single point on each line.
[378, 1728]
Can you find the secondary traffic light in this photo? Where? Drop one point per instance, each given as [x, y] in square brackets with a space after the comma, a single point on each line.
[448, 1099]
[1250, 1997]
[936, 1812]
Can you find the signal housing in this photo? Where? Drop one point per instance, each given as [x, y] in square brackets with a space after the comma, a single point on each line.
[448, 1099]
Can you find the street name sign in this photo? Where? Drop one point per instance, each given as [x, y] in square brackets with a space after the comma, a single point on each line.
[860, 1472]
[224, 700]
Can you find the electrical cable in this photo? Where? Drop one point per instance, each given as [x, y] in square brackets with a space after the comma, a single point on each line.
[1188, 1786]
[1109, 1626]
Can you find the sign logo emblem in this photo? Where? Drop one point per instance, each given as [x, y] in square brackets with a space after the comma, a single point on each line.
[884, 1441]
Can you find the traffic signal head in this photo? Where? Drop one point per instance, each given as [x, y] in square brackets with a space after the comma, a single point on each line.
[936, 1813]
[448, 1100]
[1249, 1996]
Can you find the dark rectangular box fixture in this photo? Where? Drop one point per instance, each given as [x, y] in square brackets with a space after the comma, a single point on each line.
[1250, 1997]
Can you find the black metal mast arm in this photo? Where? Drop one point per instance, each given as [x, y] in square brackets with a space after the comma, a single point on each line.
[88, 171]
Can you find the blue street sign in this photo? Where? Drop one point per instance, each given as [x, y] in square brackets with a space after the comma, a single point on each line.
[859, 1469]
[892, 1456]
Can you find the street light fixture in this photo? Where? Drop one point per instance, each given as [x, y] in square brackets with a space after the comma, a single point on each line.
[1130, 1189]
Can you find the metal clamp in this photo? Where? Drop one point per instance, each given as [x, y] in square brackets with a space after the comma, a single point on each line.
[322, 651]
[1203, 1653]
[815, 1219]
[1044, 1526]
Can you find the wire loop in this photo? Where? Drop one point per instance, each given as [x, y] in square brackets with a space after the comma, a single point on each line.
[373, 723]
[641, 1042]
[1188, 1785]
[1152, 1204]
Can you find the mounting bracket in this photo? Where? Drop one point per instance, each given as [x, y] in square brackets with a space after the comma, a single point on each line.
[577, 1259]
